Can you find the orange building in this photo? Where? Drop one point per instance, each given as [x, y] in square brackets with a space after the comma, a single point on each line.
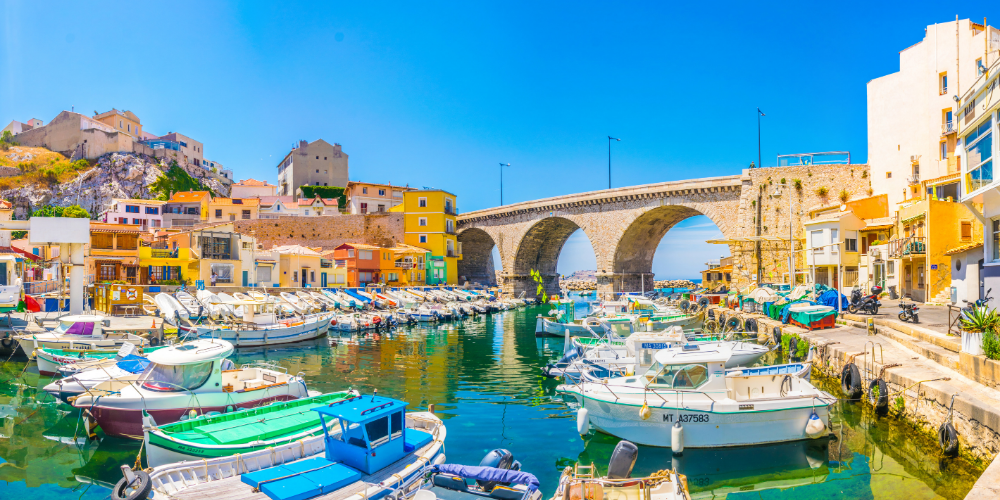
[363, 263]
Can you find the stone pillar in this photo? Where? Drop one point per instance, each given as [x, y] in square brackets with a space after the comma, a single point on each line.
[514, 284]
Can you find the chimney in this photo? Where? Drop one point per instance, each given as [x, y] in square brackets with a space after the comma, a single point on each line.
[303, 144]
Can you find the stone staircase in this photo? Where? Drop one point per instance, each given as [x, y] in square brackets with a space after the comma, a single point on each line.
[943, 298]
[938, 347]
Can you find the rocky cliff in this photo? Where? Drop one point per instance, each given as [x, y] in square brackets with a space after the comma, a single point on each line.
[115, 175]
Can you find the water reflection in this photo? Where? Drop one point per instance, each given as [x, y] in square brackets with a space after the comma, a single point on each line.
[483, 376]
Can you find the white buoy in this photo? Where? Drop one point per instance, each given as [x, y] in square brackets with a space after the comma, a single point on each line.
[677, 439]
[567, 344]
[815, 427]
[582, 421]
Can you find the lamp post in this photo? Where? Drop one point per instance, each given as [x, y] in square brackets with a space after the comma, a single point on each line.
[502, 165]
[609, 158]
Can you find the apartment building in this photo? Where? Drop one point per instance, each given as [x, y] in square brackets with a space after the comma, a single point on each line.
[125, 122]
[366, 197]
[230, 209]
[252, 188]
[186, 208]
[114, 253]
[429, 222]
[146, 214]
[316, 163]
[362, 262]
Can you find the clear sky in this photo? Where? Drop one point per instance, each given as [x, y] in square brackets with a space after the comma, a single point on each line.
[437, 94]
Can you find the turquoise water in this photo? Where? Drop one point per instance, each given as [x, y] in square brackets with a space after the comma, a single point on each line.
[483, 376]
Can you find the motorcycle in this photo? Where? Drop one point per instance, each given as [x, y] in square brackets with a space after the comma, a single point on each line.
[969, 306]
[868, 304]
[908, 312]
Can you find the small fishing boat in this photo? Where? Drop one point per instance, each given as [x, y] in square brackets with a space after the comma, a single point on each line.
[260, 326]
[497, 476]
[217, 310]
[242, 431]
[195, 309]
[171, 310]
[371, 447]
[69, 388]
[687, 399]
[582, 481]
[297, 304]
[184, 379]
[81, 331]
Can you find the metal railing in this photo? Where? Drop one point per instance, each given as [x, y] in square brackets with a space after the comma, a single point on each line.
[451, 210]
[913, 179]
[450, 230]
[948, 127]
[912, 245]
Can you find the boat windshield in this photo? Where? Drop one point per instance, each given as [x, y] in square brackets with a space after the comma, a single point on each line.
[677, 376]
[175, 378]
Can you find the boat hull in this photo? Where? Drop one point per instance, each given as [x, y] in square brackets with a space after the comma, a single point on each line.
[127, 422]
[702, 429]
[545, 327]
[264, 336]
[28, 343]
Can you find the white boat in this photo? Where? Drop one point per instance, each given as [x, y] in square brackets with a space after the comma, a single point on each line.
[55, 361]
[297, 304]
[260, 326]
[323, 299]
[171, 310]
[357, 460]
[187, 379]
[687, 399]
[196, 310]
[81, 331]
[551, 326]
[213, 303]
[68, 388]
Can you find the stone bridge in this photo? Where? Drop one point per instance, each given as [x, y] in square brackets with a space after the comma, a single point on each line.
[624, 225]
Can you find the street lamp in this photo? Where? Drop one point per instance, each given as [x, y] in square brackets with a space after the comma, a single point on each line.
[502, 165]
[609, 158]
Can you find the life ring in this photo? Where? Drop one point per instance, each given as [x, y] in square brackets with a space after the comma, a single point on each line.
[948, 439]
[881, 403]
[850, 381]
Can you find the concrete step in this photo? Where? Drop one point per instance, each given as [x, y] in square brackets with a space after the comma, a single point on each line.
[940, 355]
[949, 342]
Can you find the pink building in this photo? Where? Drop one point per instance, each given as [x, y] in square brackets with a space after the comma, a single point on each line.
[146, 214]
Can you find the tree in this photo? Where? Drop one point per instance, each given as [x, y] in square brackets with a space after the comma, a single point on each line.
[175, 179]
[74, 211]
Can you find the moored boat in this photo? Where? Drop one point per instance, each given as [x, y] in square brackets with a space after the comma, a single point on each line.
[79, 331]
[243, 431]
[582, 482]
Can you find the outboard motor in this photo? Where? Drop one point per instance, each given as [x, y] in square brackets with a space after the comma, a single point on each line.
[498, 459]
[623, 460]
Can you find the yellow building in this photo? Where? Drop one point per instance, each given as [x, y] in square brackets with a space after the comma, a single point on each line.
[402, 265]
[125, 122]
[114, 253]
[429, 222]
[335, 270]
[300, 266]
[214, 254]
[231, 209]
[186, 208]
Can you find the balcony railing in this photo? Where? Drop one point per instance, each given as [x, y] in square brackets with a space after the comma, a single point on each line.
[164, 254]
[451, 253]
[913, 179]
[903, 247]
[451, 210]
[948, 127]
[450, 230]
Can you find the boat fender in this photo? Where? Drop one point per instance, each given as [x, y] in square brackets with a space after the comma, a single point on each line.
[815, 426]
[136, 489]
[677, 439]
[881, 403]
[645, 412]
[192, 413]
[711, 314]
[948, 439]
[750, 325]
[776, 336]
[582, 421]
[6, 342]
[850, 381]
[793, 347]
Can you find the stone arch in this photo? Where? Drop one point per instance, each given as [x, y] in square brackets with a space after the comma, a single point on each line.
[477, 264]
[539, 249]
[632, 263]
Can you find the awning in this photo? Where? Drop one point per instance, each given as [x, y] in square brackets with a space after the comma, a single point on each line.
[915, 217]
[754, 239]
[130, 260]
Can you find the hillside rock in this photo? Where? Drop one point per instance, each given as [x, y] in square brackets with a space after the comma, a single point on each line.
[116, 175]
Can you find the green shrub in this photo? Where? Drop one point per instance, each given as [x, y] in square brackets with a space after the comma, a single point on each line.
[326, 192]
[844, 196]
[822, 191]
[991, 345]
[798, 184]
[175, 180]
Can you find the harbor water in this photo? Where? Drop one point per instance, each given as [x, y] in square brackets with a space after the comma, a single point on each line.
[483, 376]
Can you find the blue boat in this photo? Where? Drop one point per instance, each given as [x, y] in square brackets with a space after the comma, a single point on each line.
[372, 448]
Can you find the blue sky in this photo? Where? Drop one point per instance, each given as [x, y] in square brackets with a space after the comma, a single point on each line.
[436, 94]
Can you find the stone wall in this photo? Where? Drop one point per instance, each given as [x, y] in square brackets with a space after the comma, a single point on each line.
[762, 184]
[326, 232]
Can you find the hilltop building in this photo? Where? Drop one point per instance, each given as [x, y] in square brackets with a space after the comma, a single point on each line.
[146, 214]
[367, 197]
[252, 188]
[316, 163]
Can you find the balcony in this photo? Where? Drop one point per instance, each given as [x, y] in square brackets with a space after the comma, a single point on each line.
[451, 210]
[450, 230]
[948, 127]
[907, 247]
[451, 253]
[913, 179]
[325, 263]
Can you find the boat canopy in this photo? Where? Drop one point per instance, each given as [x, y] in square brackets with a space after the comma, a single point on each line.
[691, 353]
[194, 352]
[133, 363]
[490, 474]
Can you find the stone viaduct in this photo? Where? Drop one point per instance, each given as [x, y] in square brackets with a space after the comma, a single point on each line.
[624, 225]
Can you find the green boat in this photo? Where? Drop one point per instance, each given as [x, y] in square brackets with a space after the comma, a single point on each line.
[240, 431]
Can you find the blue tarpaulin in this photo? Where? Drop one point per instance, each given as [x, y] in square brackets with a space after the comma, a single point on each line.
[133, 363]
[829, 298]
[490, 474]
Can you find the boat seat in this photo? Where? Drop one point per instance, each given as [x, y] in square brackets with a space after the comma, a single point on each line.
[415, 440]
[451, 482]
[302, 479]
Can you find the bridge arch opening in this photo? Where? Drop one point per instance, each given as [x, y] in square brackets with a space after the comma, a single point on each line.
[480, 259]
[540, 250]
[646, 253]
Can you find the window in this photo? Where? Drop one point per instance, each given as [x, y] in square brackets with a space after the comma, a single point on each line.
[176, 378]
[888, 175]
[136, 221]
[324, 158]
[295, 276]
[890, 268]
[423, 238]
[450, 225]
[246, 214]
[944, 150]
[152, 210]
[317, 157]
[128, 127]
[422, 221]
[834, 239]
[364, 208]
[966, 230]
[365, 254]
[943, 83]
[131, 209]
[312, 276]
[223, 272]
[350, 253]
[980, 69]
[816, 241]
[851, 244]
[422, 202]
[364, 190]
[365, 277]
[381, 192]
[996, 240]
[381, 208]
[317, 170]
[218, 213]
[979, 156]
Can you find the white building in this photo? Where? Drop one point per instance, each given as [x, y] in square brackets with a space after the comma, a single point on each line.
[252, 188]
[911, 113]
[832, 249]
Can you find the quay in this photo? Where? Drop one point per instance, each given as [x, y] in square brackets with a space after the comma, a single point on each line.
[922, 365]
